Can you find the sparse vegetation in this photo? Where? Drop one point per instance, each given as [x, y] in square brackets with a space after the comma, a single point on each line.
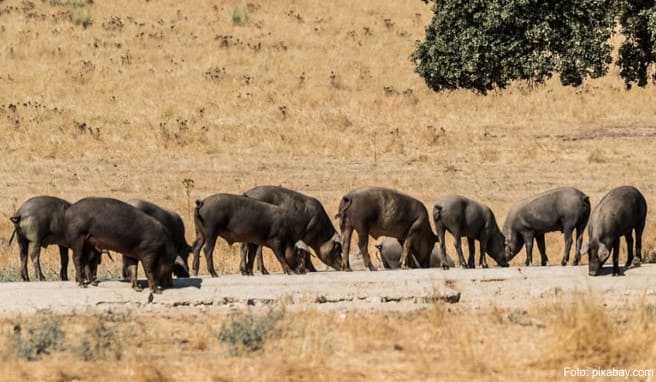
[41, 337]
[246, 332]
[239, 16]
[311, 345]
[78, 9]
[99, 341]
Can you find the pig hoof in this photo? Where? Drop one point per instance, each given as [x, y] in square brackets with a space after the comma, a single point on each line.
[484, 266]
[264, 272]
[94, 283]
[138, 289]
[445, 267]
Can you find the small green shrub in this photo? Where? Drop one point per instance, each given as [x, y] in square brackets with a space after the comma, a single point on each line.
[239, 16]
[79, 10]
[38, 339]
[9, 275]
[81, 16]
[99, 342]
[247, 332]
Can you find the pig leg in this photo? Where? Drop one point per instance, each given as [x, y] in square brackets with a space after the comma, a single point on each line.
[35, 251]
[78, 256]
[528, 240]
[131, 268]
[280, 255]
[405, 251]
[346, 247]
[616, 258]
[291, 253]
[638, 244]
[125, 271]
[629, 249]
[579, 243]
[93, 261]
[363, 244]
[567, 232]
[308, 262]
[471, 247]
[458, 245]
[63, 263]
[209, 251]
[440, 235]
[243, 264]
[482, 261]
[542, 248]
[249, 254]
[148, 262]
[260, 260]
[23, 245]
[198, 244]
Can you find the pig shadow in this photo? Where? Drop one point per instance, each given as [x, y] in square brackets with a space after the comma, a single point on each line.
[191, 282]
[605, 271]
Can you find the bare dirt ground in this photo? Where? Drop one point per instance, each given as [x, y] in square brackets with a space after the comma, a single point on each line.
[514, 287]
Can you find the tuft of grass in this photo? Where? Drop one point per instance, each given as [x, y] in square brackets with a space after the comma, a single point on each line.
[9, 275]
[585, 332]
[246, 332]
[40, 338]
[239, 16]
[100, 342]
[79, 11]
[597, 156]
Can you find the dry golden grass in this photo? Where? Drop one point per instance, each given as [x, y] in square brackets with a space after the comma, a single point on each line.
[439, 343]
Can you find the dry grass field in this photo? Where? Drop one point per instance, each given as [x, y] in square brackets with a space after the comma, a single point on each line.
[131, 98]
[478, 345]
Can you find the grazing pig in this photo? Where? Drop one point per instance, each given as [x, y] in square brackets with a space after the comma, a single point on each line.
[563, 209]
[237, 218]
[106, 223]
[315, 227]
[390, 250]
[464, 217]
[39, 222]
[175, 226]
[622, 211]
[379, 212]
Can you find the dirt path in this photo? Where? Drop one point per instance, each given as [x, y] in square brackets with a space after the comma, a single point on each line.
[390, 290]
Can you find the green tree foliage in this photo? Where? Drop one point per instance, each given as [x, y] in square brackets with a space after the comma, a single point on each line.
[486, 44]
[637, 20]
